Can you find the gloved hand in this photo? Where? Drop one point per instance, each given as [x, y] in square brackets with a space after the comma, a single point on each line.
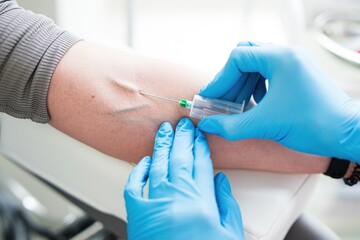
[182, 202]
[303, 109]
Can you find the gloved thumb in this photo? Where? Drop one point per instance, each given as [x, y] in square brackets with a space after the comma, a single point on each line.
[234, 127]
[228, 208]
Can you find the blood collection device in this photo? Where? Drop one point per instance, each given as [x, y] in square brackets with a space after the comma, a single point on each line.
[201, 107]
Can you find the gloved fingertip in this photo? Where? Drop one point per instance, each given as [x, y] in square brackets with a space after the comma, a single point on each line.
[184, 121]
[202, 90]
[138, 178]
[164, 136]
[165, 127]
[142, 167]
[226, 185]
[145, 163]
[211, 89]
[219, 177]
[199, 134]
[245, 43]
[222, 183]
[185, 124]
[209, 124]
[203, 125]
[146, 160]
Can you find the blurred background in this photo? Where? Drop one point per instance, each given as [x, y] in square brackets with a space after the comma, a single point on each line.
[201, 33]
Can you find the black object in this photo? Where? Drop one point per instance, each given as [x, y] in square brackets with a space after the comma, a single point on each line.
[16, 224]
[337, 168]
[354, 178]
[310, 228]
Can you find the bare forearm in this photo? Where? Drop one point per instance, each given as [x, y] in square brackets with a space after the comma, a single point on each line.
[94, 98]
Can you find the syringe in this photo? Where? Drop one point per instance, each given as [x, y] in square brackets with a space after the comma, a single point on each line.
[201, 107]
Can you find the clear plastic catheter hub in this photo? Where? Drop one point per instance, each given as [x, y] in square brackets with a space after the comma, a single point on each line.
[201, 107]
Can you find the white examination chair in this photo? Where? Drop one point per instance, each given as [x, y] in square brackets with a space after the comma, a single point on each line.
[270, 203]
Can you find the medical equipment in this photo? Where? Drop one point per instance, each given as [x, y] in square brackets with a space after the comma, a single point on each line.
[276, 118]
[201, 107]
[339, 33]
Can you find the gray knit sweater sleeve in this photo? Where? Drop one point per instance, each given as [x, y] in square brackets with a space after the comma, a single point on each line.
[31, 46]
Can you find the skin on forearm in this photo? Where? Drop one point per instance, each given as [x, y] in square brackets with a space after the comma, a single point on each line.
[93, 97]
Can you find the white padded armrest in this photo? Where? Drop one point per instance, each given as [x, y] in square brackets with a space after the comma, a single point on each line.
[269, 202]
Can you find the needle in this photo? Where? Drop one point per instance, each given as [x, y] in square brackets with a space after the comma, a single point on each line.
[155, 96]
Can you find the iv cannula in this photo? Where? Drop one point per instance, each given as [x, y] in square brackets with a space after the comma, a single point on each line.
[183, 102]
[201, 107]
[156, 96]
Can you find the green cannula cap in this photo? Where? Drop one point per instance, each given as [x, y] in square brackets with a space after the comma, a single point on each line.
[184, 103]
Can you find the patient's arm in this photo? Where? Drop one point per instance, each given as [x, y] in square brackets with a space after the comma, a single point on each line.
[94, 98]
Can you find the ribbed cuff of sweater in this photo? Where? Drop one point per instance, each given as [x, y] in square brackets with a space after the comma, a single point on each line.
[31, 46]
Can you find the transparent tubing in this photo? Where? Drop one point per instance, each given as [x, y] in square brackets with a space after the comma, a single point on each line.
[201, 107]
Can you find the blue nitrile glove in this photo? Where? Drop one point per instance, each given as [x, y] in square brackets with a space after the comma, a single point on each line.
[183, 202]
[247, 84]
[303, 109]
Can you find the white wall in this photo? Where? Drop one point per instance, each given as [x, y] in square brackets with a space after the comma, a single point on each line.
[199, 33]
